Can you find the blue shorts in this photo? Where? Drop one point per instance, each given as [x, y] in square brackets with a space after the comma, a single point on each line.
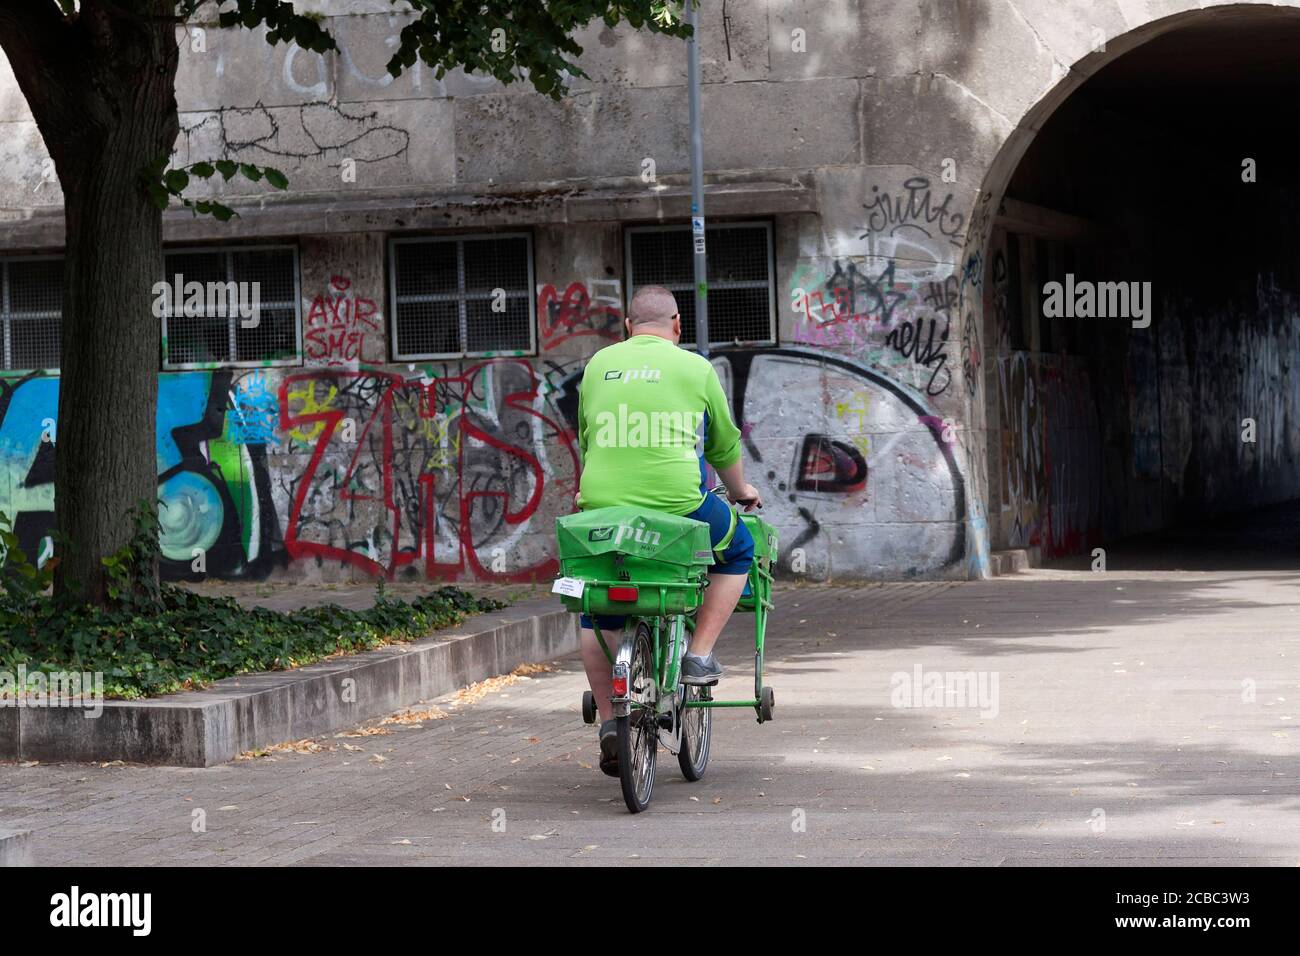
[735, 560]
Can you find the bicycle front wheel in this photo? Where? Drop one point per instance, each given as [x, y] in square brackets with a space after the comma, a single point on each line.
[638, 732]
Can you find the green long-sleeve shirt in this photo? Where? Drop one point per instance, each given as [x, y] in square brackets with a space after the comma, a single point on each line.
[641, 406]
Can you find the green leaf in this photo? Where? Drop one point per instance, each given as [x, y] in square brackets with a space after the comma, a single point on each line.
[203, 170]
[160, 196]
[227, 168]
[276, 178]
[176, 180]
[250, 171]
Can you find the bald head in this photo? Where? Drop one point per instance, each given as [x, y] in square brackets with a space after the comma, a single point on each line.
[653, 306]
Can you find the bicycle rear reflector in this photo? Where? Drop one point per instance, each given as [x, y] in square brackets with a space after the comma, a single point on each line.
[622, 594]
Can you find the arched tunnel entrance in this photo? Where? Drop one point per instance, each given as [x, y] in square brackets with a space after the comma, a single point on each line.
[1142, 308]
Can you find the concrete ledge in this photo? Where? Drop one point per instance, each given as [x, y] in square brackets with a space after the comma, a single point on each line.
[203, 728]
[1012, 561]
[15, 848]
[440, 207]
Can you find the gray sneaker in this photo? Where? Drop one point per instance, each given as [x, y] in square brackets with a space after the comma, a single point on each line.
[609, 747]
[701, 671]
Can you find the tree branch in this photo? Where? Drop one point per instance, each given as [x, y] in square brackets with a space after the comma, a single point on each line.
[40, 43]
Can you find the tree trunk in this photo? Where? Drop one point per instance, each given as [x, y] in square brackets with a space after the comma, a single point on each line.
[104, 101]
[105, 459]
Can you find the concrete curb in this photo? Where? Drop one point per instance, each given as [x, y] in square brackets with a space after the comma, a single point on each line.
[1013, 561]
[15, 848]
[212, 726]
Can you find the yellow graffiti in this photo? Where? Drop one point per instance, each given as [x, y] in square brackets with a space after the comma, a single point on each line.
[306, 395]
[860, 440]
[844, 408]
[446, 444]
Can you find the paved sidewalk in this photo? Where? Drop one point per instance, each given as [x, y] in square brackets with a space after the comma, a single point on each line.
[1123, 734]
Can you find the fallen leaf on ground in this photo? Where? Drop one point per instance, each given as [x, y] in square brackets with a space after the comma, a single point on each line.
[416, 716]
[289, 746]
[480, 689]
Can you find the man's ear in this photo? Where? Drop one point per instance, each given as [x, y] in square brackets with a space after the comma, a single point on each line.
[627, 327]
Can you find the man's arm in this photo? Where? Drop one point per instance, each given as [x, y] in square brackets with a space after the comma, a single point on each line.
[582, 425]
[722, 445]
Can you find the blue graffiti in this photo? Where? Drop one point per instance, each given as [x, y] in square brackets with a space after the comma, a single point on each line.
[213, 497]
[254, 413]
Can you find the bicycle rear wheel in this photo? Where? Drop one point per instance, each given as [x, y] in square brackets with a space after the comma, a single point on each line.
[638, 732]
[697, 733]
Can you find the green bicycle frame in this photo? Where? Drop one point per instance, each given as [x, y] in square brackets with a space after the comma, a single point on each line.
[669, 635]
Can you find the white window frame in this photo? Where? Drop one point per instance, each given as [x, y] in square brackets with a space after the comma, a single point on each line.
[461, 297]
[229, 252]
[6, 312]
[689, 288]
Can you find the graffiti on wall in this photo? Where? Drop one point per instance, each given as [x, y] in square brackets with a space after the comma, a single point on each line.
[594, 308]
[898, 303]
[253, 413]
[855, 469]
[886, 321]
[445, 473]
[440, 472]
[214, 492]
[342, 327]
[914, 210]
[1050, 453]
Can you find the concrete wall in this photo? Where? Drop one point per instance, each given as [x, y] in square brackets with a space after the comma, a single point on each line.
[876, 136]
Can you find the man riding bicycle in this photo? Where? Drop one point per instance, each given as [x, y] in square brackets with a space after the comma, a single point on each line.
[642, 407]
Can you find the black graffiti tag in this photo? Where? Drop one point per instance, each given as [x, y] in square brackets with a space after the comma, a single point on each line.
[917, 208]
[915, 339]
[850, 289]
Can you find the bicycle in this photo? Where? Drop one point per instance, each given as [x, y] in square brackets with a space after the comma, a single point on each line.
[652, 568]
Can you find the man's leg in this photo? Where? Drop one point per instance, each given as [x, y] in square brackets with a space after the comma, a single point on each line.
[600, 673]
[726, 584]
[720, 599]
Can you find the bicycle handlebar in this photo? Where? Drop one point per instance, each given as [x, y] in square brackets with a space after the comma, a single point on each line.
[720, 489]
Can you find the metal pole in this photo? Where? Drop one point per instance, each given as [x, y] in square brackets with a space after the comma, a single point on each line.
[697, 181]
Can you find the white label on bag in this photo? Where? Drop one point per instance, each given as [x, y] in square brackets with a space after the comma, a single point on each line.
[569, 587]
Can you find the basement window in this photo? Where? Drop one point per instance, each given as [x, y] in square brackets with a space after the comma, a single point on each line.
[31, 308]
[741, 277]
[462, 296]
[249, 314]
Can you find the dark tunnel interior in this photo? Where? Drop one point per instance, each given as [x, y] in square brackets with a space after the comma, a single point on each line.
[1175, 166]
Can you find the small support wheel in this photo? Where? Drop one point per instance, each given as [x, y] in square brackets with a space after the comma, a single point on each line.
[765, 705]
[588, 707]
